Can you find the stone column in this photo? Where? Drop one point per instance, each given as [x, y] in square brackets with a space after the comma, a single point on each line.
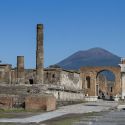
[20, 70]
[122, 65]
[39, 55]
[13, 78]
[10, 74]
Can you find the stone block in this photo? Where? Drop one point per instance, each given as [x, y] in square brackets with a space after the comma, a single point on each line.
[50, 103]
[6, 102]
[40, 102]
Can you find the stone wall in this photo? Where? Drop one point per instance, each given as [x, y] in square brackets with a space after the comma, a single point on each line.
[5, 73]
[40, 102]
[6, 102]
[92, 72]
[30, 75]
[52, 76]
[67, 96]
[71, 80]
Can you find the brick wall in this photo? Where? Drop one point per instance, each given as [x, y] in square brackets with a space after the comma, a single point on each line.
[40, 102]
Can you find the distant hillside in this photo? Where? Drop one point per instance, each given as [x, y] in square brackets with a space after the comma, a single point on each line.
[91, 57]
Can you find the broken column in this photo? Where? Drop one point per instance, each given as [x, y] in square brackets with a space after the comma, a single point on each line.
[122, 65]
[20, 70]
[39, 55]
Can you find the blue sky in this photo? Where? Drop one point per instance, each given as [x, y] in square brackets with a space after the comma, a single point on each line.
[69, 26]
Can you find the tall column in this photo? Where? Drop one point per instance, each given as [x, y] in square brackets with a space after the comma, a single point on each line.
[39, 55]
[122, 65]
[20, 70]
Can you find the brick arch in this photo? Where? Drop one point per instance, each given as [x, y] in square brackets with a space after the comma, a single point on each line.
[94, 71]
[105, 70]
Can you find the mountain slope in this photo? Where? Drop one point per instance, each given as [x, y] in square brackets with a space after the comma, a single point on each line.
[91, 57]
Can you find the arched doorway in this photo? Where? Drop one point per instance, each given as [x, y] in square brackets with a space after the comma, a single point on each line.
[113, 88]
[105, 84]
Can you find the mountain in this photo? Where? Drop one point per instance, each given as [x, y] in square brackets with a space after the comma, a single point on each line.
[91, 57]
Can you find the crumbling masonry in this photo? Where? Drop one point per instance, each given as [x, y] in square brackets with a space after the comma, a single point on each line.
[42, 87]
[20, 87]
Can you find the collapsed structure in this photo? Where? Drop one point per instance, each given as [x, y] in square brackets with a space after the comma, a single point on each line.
[20, 83]
[41, 87]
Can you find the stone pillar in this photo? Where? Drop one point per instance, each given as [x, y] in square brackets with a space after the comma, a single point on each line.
[122, 65]
[20, 70]
[13, 76]
[10, 79]
[39, 55]
[9, 73]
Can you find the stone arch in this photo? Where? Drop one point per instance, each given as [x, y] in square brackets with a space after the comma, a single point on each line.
[93, 72]
[105, 82]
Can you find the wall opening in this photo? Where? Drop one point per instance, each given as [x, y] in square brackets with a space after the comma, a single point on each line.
[31, 81]
[88, 81]
[106, 81]
[111, 89]
[53, 76]
[47, 75]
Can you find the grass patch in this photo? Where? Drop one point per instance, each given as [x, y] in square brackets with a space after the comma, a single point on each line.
[3, 115]
[12, 110]
[8, 124]
[91, 114]
[18, 113]
[71, 118]
[18, 110]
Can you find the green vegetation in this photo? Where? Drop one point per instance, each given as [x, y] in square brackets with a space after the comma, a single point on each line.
[70, 119]
[6, 115]
[18, 113]
[8, 124]
[12, 110]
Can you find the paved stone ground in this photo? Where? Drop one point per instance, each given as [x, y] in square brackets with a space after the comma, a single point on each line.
[70, 109]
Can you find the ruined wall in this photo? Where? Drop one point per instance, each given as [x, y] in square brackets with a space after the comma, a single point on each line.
[71, 80]
[89, 90]
[40, 102]
[11, 101]
[30, 76]
[13, 96]
[5, 73]
[67, 95]
[6, 102]
[52, 76]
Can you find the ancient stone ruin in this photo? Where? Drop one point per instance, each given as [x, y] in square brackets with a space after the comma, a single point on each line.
[38, 88]
[43, 88]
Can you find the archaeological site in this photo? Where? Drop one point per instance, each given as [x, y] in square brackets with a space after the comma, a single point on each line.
[45, 88]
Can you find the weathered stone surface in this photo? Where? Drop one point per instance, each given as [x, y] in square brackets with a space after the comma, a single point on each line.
[71, 80]
[5, 73]
[39, 55]
[20, 70]
[6, 102]
[92, 72]
[67, 95]
[64, 85]
[40, 102]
